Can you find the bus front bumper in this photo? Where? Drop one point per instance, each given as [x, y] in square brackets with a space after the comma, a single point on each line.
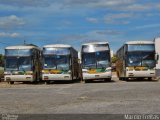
[19, 78]
[144, 74]
[87, 76]
[47, 77]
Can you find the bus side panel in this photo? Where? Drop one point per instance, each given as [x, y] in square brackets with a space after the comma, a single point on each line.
[75, 67]
[157, 48]
[120, 64]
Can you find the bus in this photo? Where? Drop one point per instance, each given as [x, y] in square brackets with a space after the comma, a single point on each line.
[136, 59]
[22, 63]
[157, 47]
[60, 62]
[96, 61]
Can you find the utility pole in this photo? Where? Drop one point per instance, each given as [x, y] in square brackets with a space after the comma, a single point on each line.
[24, 42]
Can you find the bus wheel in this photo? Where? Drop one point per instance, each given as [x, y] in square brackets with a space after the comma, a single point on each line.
[85, 81]
[126, 79]
[11, 82]
[149, 78]
[108, 80]
[46, 82]
[34, 82]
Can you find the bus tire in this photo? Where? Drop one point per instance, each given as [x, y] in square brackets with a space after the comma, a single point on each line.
[34, 82]
[46, 82]
[108, 80]
[36, 78]
[85, 81]
[126, 78]
[150, 79]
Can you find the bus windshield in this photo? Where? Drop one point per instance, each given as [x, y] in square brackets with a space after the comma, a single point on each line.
[18, 63]
[60, 62]
[145, 59]
[96, 60]
[89, 60]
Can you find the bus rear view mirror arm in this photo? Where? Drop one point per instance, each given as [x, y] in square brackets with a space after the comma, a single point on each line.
[157, 57]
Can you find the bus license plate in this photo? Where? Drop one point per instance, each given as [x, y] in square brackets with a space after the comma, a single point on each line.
[96, 76]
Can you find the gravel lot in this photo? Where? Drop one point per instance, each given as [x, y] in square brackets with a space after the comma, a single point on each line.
[116, 97]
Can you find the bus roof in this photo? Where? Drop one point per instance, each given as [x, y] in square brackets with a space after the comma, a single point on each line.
[27, 46]
[140, 42]
[58, 46]
[93, 43]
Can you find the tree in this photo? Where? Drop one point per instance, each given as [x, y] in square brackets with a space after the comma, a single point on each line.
[1, 60]
[114, 59]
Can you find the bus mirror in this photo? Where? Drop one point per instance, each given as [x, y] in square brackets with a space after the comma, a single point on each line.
[32, 57]
[157, 57]
[70, 66]
[33, 68]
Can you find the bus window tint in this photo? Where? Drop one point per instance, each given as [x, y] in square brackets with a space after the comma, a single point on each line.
[141, 47]
[148, 59]
[102, 59]
[24, 63]
[49, 62]
[18, 63]
[15, 52]
[56, 51]
[134, 59]
[60, 62]
[89, 60]
[11, 63]
[145, 59]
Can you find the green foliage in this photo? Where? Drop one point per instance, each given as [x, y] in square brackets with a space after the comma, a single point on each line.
[114, 59]
[1, 60]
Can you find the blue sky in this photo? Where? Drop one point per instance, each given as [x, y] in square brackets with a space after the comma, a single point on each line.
[75, 22]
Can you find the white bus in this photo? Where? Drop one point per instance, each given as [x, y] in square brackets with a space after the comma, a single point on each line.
[157, 47]
[136, 59]
[96, 61]
[60, 62]
[22, 63]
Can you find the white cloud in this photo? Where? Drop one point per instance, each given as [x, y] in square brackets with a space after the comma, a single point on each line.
[125, 5]
[11, 35]
[112, 3]
[122, 5]
[108, 32]
[66, 3]
[92, 20]
[94, 35]
[98, 3]
[158, 6]
[11, 21]
[148, 26]
[137, 7]
[24, 3]
[121, 18]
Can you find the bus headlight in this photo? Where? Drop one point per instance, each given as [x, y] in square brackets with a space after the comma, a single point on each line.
[69, 72]
[108, 69]
[45, 72]
[29, 73]
[84, 70]
[7, 73]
